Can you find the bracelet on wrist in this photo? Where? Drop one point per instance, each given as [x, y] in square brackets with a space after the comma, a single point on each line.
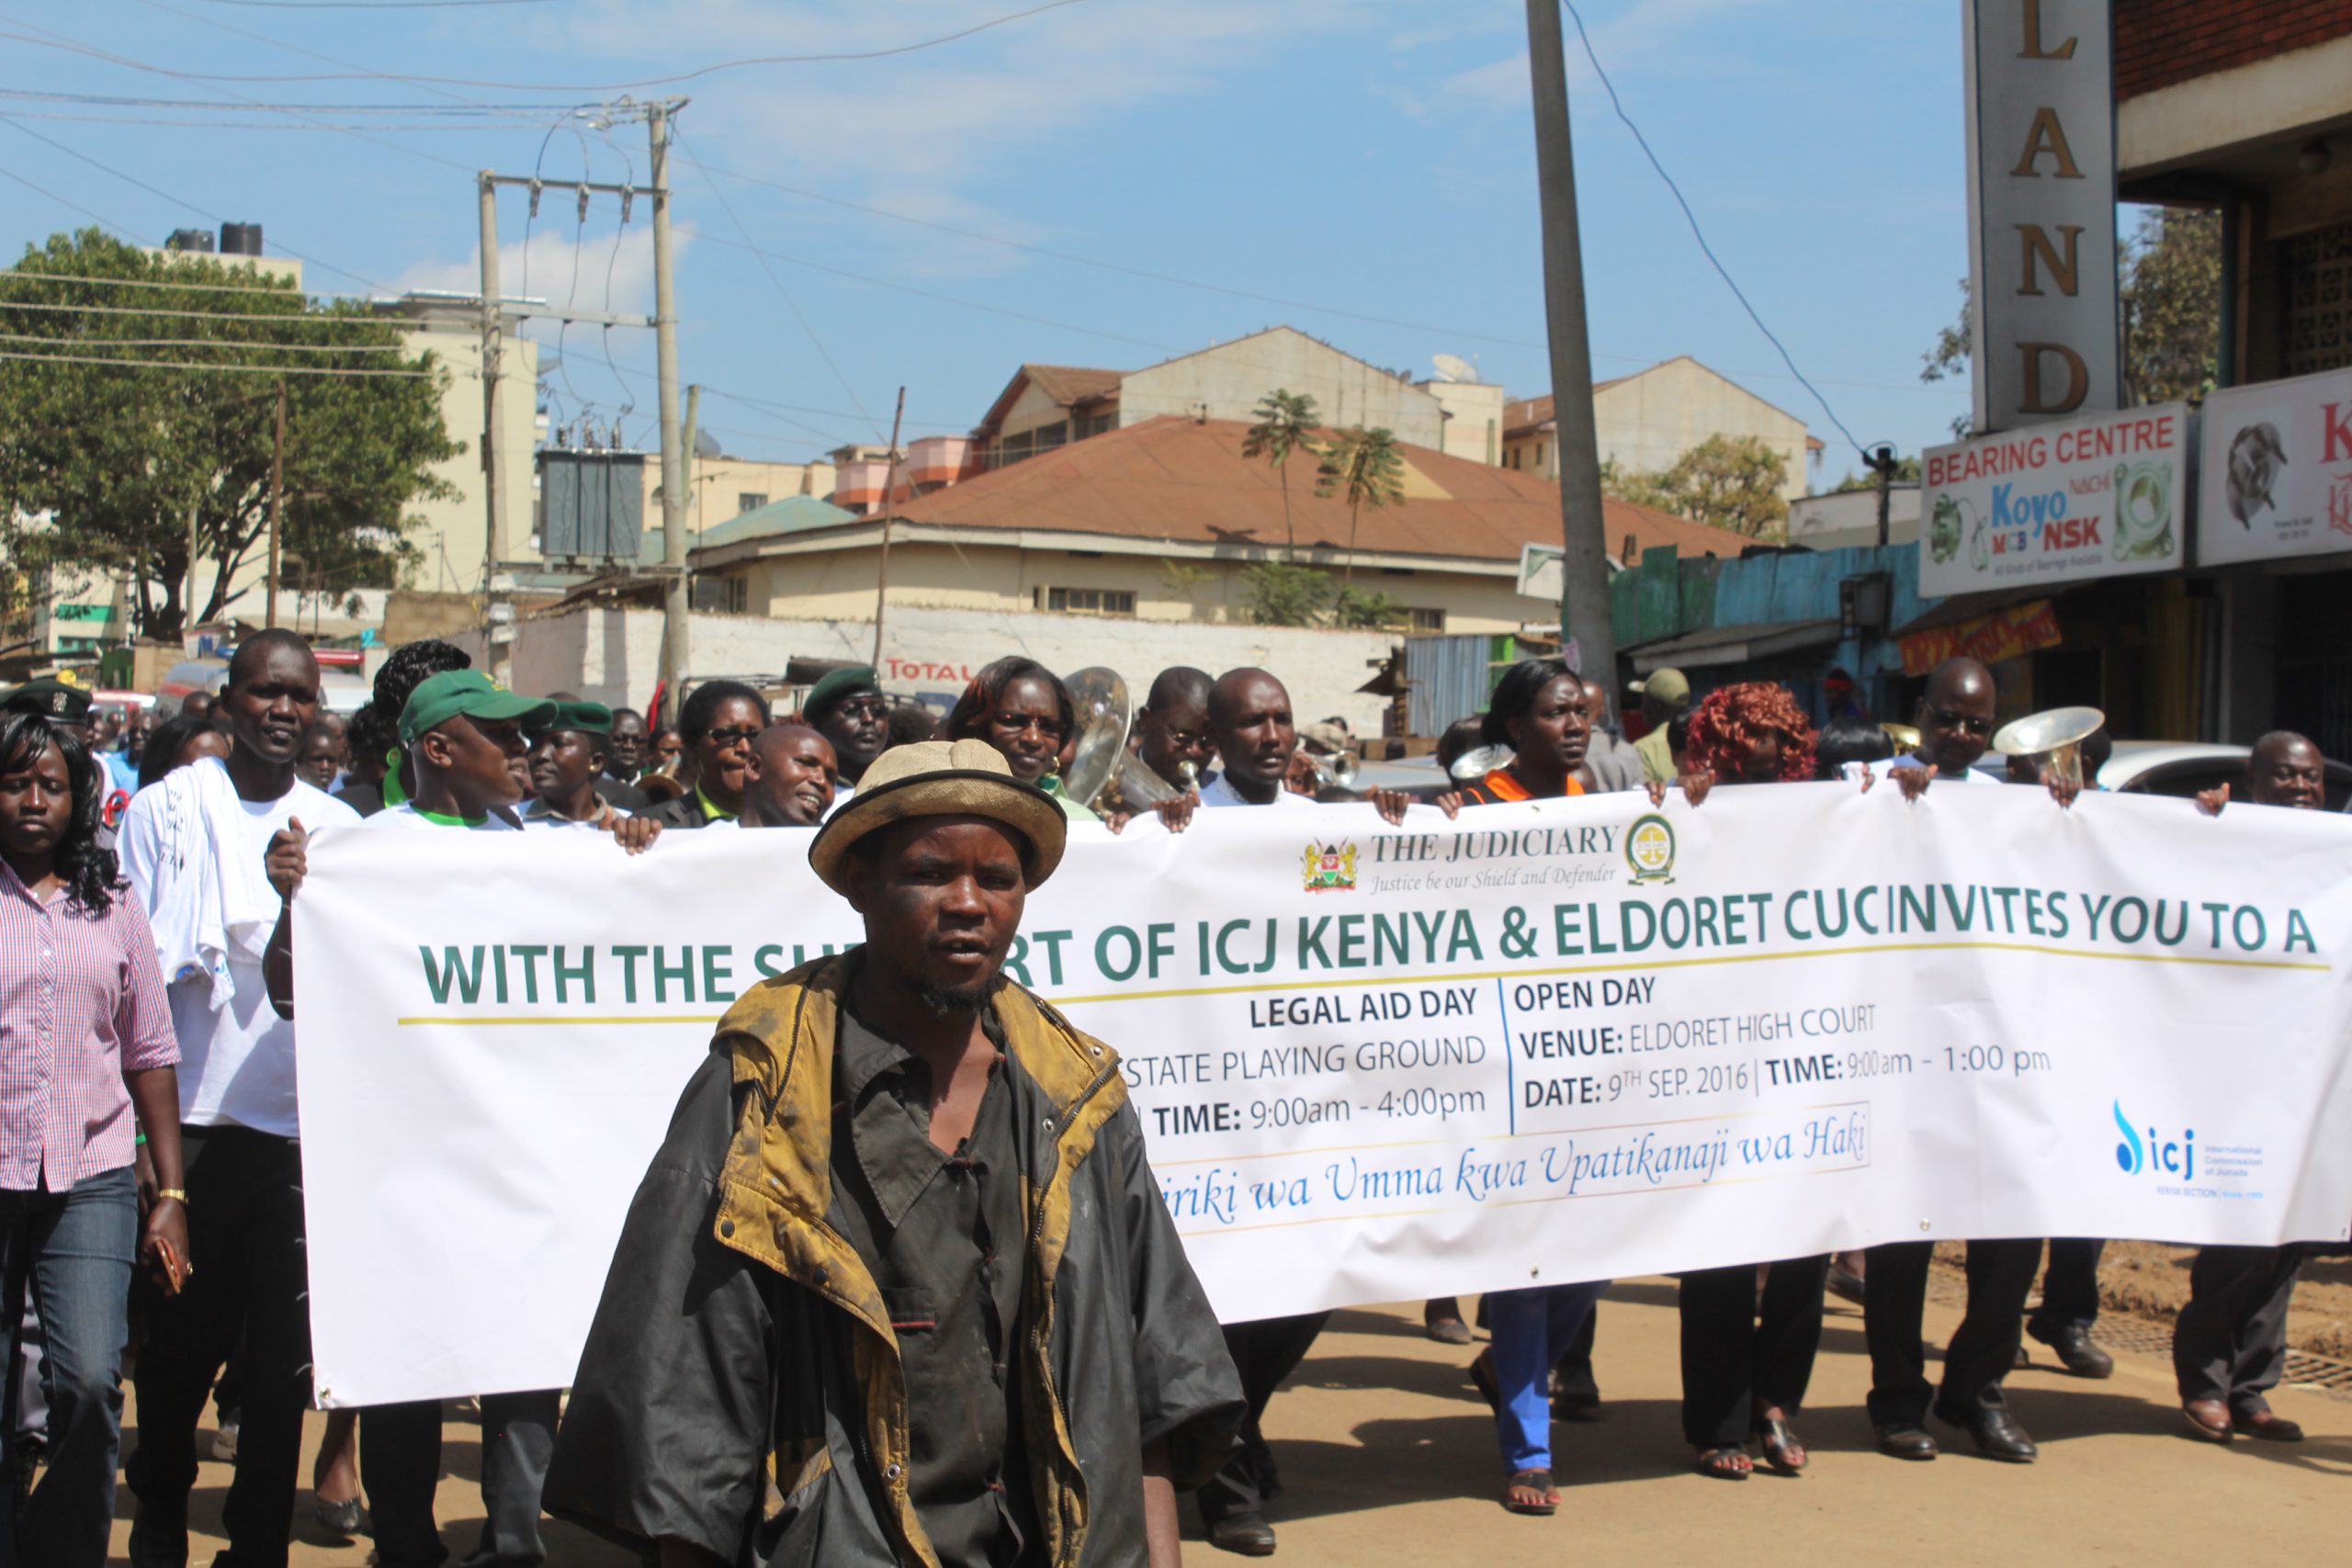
[176, 1194]
[139, 1141]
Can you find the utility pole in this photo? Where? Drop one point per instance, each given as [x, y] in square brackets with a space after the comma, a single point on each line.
[694, 419]
[673, 457]
[1584, 530]
[889, 495]
[494, 352]
[1882, 461]
[276, 500]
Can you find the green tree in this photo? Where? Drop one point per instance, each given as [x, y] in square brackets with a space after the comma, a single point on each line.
[1286, 423]
[2172, 305]
[1726, 481]
[1373, 612]
[1365, 468]
[2171, 291]
[1282, 593]
[1907, 471]
[102, 464]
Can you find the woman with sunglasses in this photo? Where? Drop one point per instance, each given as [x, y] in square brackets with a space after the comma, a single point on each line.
[1023, 709]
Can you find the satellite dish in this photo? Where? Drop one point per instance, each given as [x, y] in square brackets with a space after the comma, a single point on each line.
[1451, 369]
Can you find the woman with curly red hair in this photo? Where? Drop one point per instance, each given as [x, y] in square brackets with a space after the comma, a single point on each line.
[1746, 1361]
[1751, 733]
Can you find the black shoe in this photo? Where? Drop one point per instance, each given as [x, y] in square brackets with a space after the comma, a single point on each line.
[159, 1536]
[1246, 1532]
[1905, 1439]
[2077, 1351]
[1997, 1433]
[1845, 1285]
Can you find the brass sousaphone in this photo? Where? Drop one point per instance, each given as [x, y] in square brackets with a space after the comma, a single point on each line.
[2053, 738]
[1104, 775]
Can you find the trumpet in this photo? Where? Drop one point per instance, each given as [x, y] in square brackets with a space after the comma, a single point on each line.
[1103, 775]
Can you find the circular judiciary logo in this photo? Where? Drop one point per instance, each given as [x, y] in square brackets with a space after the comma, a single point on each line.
[1649, 849]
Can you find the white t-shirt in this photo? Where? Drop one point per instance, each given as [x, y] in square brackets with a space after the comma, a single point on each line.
[237, 1064]
[1966, 775]
[406, 815]
[1217, 792]
[535, 815]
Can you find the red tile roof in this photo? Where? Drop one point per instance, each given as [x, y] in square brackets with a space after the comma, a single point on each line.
[1184, 479]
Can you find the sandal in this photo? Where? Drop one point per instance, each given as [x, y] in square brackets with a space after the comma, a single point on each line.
[1783, 1450]
[346, 1516]
[1725, 1464]
[1538, 1482]
[1482, 1372]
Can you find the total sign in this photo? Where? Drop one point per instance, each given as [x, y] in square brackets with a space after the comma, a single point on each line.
[2056, 504]
[2275, 472]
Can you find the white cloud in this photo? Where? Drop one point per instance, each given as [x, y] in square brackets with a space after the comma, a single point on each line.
[1652, 32]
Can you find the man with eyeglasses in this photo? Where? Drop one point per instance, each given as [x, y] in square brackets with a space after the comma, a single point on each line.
[1172, 726]
[1955, 722]
[719, 723]
[847, 708]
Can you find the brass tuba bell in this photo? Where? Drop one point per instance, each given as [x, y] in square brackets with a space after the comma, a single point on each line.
[1104, 775]
[2053, 738]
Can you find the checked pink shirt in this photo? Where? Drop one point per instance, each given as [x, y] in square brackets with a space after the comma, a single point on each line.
[82, 1003]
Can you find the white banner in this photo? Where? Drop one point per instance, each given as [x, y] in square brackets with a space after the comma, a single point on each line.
[2056, 504]
[2274, 470]
[1557, 1042]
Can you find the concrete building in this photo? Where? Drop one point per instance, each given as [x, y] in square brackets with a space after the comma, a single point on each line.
[1648, 419]
[1848, 519]
[2245, 107]
[722, 488]
[1045, 406]
[1161, 523]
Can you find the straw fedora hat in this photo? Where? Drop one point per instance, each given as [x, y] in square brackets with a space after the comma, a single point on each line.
[942, 778]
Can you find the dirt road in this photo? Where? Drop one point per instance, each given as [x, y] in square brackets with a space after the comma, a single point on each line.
[1389, 1457]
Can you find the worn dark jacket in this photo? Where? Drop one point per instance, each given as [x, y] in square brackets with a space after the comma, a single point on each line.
[741, 1388]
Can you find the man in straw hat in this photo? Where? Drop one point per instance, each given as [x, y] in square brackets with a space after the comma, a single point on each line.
[901, 1264]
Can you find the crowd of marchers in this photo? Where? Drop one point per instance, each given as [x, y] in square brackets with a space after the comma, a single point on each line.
[898, 1287]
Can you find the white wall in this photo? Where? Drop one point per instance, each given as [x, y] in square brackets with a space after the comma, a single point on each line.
[1231, 378]
[1842, 519]
[614, 656]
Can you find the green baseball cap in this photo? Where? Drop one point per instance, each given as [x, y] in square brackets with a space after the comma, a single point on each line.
[471, 694]
[1671, 687]
[588, 718]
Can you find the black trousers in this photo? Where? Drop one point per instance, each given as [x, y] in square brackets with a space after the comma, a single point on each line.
[1983, 1349]
[2229, 1342]
[2069, 1286]
[1737, 1359]
[400, 1460]
[251, 1279]
[1264, 1353]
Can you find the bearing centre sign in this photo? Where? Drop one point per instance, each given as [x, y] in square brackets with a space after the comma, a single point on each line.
[2056, 504]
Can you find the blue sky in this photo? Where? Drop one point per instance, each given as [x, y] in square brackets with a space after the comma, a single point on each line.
[1365, 156]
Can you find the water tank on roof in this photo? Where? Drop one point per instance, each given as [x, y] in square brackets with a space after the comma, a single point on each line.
[196, 239]
[240, 238]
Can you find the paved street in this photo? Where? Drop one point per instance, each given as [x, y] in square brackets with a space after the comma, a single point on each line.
[1388, 1457]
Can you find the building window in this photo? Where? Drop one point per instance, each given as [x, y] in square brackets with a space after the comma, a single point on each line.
[1086, 601]
[722, 595]
[1539, 456]
[749, 500]
[1096, 426]
[1426, 620]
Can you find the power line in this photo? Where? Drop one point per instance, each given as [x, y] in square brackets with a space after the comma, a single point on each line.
[454, 107]
[255, 369]
[137, 282]
[292, 349]
[120, 230]
[790, 304]
[1696, 233]
[87, 342]
[372, 5]
[287, 317]
[624, 87]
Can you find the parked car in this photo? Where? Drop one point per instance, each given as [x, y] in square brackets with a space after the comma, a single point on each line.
[2184, 767]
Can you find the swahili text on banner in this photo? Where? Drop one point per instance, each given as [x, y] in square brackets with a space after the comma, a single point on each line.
[1565, 1041]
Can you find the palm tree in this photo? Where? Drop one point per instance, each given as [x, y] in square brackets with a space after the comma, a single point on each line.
[1366, 467]
[1286, 421]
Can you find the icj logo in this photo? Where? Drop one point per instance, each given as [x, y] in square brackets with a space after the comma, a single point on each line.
[1649, 849]
[2134, 1154]
[1330, 868]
